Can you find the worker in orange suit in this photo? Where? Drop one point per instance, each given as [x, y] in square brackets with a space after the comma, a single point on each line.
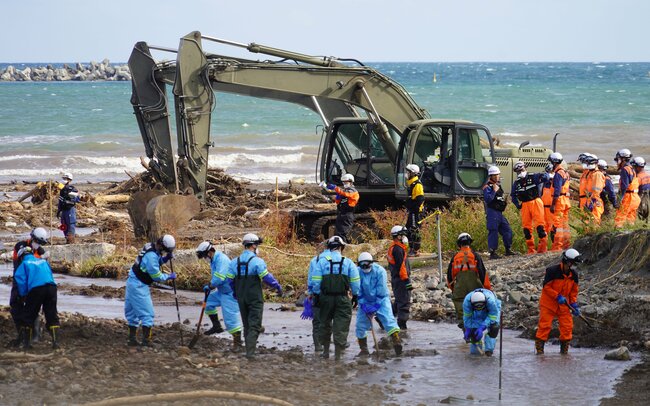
[346, 200]
[526, 197]
[638, 163]
[628, 187]
[582, 158]
[547, 199]
[560, 204]
[594, 185]
[559, 299]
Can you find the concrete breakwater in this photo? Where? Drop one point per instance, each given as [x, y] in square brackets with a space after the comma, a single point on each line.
[94, 71]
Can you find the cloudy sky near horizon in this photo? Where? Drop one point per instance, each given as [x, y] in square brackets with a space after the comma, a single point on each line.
[368, 30]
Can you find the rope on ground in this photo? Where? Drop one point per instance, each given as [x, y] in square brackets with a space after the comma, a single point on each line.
[288, 253]
[184, 396]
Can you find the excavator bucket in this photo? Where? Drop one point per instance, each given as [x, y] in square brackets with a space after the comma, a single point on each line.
[154, 213]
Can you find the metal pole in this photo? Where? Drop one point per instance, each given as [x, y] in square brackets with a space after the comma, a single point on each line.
[178, 311]
[50, 193]
[439, 246]
[501, 342]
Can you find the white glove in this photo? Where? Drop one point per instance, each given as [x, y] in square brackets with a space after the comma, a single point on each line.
[323, 185]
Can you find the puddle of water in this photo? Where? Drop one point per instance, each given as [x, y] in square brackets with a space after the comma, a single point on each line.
[18, 236]
[581, 378]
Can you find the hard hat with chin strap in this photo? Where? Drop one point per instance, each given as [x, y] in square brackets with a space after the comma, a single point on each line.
[464, 239]
[39, 235]
[365, 257]
[623, 154]
[478, 300]
[398, 230]
[413, 168]
[602, 164]
[494, 170]
[519, 166]
[555, 158]
[203, 249]
[67, 175]
[571, 255]
[335, 242]
[251, 239]
[638, 161]
[166, 242]
[347, 178]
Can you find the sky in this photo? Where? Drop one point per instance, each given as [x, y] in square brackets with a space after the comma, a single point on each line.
[367, 30]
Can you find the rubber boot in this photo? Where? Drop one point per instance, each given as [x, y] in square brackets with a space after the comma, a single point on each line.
[146, 336]
[488, 353]
[55, 342]
[338, 351]
[326, 350]
[318, 347]
[539, 346]
[27, 338]
[510, 252]
[15, 343]
[402, 324]
[69, 239]
[133, 330]
[542, 245]
[216, 325]
[397, 343]
[564, 347]
[494, 255]
[36, 330]
[237, 343]
[363, 346]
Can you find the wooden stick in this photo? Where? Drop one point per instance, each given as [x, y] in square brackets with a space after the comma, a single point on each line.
[184, 396]
[10, 357]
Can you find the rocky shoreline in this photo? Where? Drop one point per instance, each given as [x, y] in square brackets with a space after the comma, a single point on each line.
[94, 71]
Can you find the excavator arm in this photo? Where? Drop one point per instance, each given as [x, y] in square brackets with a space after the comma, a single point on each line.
[326, 85]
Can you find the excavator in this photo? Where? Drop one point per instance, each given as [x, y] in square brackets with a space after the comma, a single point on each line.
[372, 127]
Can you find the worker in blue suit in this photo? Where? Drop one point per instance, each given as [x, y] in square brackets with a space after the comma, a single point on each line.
[495, 205]
[334, 278]
[138, 307]
[36, 289]
[222, 295]
[248, 271]
[374, 300]
[481, 314]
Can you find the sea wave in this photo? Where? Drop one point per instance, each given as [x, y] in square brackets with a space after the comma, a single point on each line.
[228, 160]
[21, 157]
[515, 135]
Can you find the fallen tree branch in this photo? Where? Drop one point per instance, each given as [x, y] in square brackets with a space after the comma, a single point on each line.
[185, 396]
[10, 357]
[287, 253]
[293, 199]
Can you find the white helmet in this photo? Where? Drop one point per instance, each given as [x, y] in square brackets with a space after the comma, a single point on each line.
[348, 177]
[24, 250]
[494, 170]
[638, 161]
[397, 230]
[519, 166]
[39, 235]
[67, 175]
[571, 255]
[203, 249]
[167, 243]
[555, 158]
[623, 153]
[365, 257]
[602, 164]
[413, 168]
[478, 300]
[335, 241]
[464, 239]
[250, 239]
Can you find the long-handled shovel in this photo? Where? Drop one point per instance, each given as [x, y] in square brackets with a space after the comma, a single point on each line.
[178, 310]
[374, 337]
[198, 325]
[580, 315]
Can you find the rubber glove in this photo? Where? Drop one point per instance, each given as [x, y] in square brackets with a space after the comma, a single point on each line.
[323, 185]
[561, 299]
[308, 312]
[468, 334]
[478, 333]
[207, 289]
[171, 276]
[355, 301]
[369, 309]
[575, 309]
[331, 186]
[167, 258]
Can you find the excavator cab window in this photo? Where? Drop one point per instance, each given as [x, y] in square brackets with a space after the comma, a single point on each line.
[474, 153]
[432, 152]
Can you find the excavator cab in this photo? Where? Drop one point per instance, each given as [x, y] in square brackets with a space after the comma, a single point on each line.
[453, 158]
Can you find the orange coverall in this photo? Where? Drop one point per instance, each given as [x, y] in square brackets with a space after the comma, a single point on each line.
[629, 187]
[557, 281]
[593, 188]
[525, 196]
[561, 194]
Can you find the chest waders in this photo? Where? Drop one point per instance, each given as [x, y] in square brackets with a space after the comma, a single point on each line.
[335, 309]
[251, 304]
[466, 280]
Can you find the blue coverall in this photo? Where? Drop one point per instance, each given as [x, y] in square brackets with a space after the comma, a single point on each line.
[138, 307]
[477, 318]
[374, 290]
[223, 295]
[496, 221]
[35, 284]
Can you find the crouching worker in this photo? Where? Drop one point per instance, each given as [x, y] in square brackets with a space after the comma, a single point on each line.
[481, 314]
[374, 301]
[36, 289]
[138, 308]
[559, 299]
[223, 295]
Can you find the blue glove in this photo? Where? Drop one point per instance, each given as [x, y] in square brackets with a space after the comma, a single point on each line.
[468, 334]
[575, 309]
[331, 186]
[171, 276]
[207, 289]
[308, 312]
[369, 309]
[478, 333]
[561, 299]
[167, 258]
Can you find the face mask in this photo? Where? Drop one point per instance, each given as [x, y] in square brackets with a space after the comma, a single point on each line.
[584, 166]
[551, 175]
[257, 250]
[405, 240]
[522, 174]
[591, 167]
[366, 268]
[35, 246]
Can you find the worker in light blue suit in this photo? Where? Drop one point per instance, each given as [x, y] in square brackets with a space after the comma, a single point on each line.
[312, 311]
[374, 300]
[138, 307]
[481, 314]
[334, 278]
[222, 295]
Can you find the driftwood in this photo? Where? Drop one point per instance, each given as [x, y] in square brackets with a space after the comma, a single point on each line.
[107, 199]
[293, 199]
[29, 194]
[186, 396]
[577, 168]
[12, 357]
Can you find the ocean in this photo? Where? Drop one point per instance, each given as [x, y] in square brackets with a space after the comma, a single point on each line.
[88, 128]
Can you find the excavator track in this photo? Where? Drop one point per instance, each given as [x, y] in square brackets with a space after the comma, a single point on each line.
[320, 227]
